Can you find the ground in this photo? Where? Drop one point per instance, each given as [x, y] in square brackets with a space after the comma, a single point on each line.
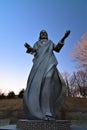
[74, 109]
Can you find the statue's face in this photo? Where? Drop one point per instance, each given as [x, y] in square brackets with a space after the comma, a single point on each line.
[43, 35]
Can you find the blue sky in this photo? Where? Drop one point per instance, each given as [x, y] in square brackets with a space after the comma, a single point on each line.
[22, 20]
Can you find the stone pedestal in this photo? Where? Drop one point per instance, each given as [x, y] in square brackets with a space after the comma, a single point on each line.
[43, 125]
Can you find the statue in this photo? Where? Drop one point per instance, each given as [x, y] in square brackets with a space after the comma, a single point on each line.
[46, 89]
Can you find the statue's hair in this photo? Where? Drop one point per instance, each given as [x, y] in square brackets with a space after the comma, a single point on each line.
[41, 32]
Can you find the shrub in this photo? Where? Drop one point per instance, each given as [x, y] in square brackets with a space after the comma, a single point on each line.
[20, 95]
[11, 95]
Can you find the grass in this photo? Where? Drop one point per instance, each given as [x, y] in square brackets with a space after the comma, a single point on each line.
[72, 104]
[11, 104]
[80, 122]
[75, 104]
[13, 109]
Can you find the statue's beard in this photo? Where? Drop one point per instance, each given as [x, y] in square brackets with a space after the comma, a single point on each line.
[43, 37]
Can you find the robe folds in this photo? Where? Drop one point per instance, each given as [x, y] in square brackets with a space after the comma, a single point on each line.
[46, 89]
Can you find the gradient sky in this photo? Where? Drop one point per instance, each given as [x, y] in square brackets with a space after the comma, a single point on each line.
[22, 20]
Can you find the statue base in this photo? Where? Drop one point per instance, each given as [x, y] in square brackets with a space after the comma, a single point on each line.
[43, 125]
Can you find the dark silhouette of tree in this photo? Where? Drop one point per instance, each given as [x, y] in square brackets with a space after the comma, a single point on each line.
[20, 95]
[11, 95]
[2, 96]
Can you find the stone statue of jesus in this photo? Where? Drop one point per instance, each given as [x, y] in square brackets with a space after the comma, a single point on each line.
[46, 89]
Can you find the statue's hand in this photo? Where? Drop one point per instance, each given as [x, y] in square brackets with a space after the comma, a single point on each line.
[29, 48]
[67, 33]
[65, 36]
[27, 45]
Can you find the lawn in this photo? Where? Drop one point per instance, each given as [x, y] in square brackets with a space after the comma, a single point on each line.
[73, 109]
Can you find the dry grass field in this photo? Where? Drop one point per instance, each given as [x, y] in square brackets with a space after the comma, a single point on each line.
[73, 109]
[76, 104]
[71, 104]
[11, 104]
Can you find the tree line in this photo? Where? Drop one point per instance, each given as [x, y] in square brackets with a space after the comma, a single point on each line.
[11, 95]
[77, 82]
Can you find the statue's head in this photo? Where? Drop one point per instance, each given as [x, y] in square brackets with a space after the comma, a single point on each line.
[43, 35]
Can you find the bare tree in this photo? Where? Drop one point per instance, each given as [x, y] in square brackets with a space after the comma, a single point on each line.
[66, 76]
[78, 82]
[73, 85]
[80, 52]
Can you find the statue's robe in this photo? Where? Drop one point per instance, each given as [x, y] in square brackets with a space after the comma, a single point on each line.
[46, 88]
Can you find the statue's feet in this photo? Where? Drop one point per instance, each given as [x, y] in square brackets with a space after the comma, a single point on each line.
[49, 116]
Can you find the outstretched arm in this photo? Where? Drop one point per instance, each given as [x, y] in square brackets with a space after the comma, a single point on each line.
[29, 49]
[60, 44]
